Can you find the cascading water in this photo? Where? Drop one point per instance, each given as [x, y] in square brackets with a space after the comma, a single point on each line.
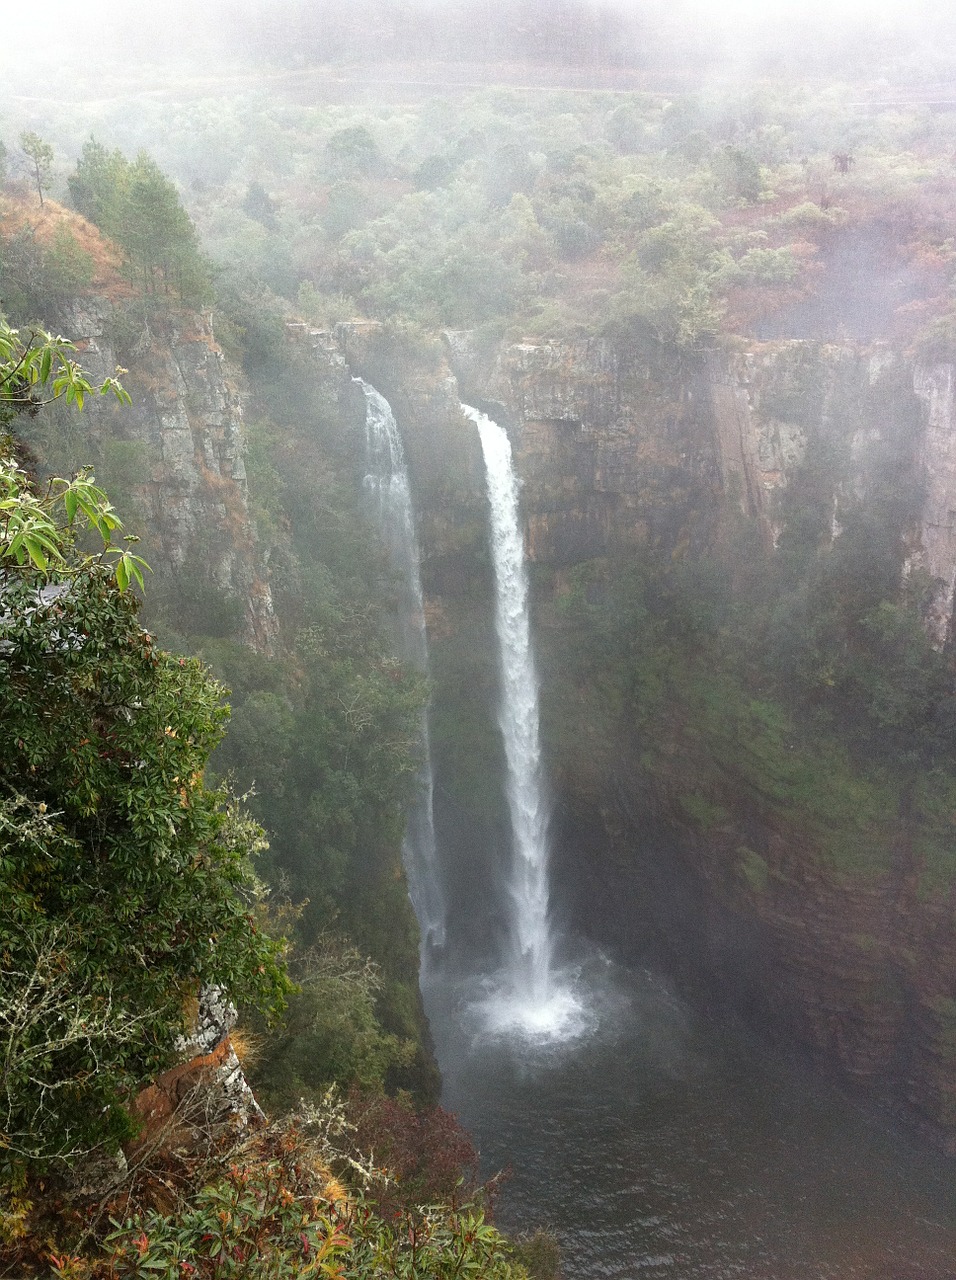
[532, 998]
[387, 483]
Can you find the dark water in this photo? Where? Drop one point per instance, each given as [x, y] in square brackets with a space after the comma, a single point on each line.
[660, 1149]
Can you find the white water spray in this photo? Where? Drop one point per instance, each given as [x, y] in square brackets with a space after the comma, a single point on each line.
[387, 483]
[532, 999]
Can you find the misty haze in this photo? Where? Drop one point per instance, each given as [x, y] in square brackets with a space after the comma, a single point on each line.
[477, 644]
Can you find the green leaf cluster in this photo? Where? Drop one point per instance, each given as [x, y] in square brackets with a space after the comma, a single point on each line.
[31, 538]
[38, 368]
[331, 1034]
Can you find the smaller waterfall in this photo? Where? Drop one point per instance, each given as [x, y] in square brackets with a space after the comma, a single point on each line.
[387, 484]
[533, 1001]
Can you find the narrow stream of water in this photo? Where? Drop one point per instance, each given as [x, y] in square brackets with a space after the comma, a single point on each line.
[389, 492]
[518, 717]
[661, 1148]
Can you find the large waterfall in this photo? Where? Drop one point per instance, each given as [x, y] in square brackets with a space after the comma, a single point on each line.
[386, 482]
[531, 998]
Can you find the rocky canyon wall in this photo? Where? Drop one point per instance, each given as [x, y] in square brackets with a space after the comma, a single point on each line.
[181, 445]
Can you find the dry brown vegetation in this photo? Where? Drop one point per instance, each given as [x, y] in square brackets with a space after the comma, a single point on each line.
[46, 222]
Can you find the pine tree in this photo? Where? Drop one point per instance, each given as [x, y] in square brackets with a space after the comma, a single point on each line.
[40, 155]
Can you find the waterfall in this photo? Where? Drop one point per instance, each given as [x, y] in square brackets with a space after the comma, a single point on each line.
[386, 482]
[532, 1000]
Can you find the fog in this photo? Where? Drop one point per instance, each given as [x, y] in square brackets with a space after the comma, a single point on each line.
[109, 38]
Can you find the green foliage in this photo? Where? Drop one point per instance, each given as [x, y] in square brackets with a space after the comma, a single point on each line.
[737, 172]
[38, 369]
[324, 310]
[352, 152]
[540, 1254]
[799, 695]
[768, 266]
[136, 881]
[760, 162]
[32, 540]
[124, 880]
[34, 372]
[330, 1034]
[326, 734]
[250, 1225]
[43, 278]
[157, 232]
[97, 185]
[260, 206]
[933, 800]
[670, 282]
[254, 1226]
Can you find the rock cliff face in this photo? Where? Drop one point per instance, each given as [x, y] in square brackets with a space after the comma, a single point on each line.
[608, 456]
[868, 402]
[185, 431]
[935, 547]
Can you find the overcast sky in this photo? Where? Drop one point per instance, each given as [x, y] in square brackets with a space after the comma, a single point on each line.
[114, 33]
[72, 20]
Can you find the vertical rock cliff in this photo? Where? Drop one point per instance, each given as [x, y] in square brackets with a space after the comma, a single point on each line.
[182, 438]
[935, 546]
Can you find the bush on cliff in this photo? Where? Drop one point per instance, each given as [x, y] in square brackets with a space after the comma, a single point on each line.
[279, 1210]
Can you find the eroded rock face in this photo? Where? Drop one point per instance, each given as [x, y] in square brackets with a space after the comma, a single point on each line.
[872, 410]
[193, 1102]
[610, 458]
[186, 419]
[935, 548]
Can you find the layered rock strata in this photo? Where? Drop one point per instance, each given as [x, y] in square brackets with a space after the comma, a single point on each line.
[186, 423]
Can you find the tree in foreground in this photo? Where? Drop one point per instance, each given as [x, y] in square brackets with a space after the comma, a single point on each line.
[125, 882]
